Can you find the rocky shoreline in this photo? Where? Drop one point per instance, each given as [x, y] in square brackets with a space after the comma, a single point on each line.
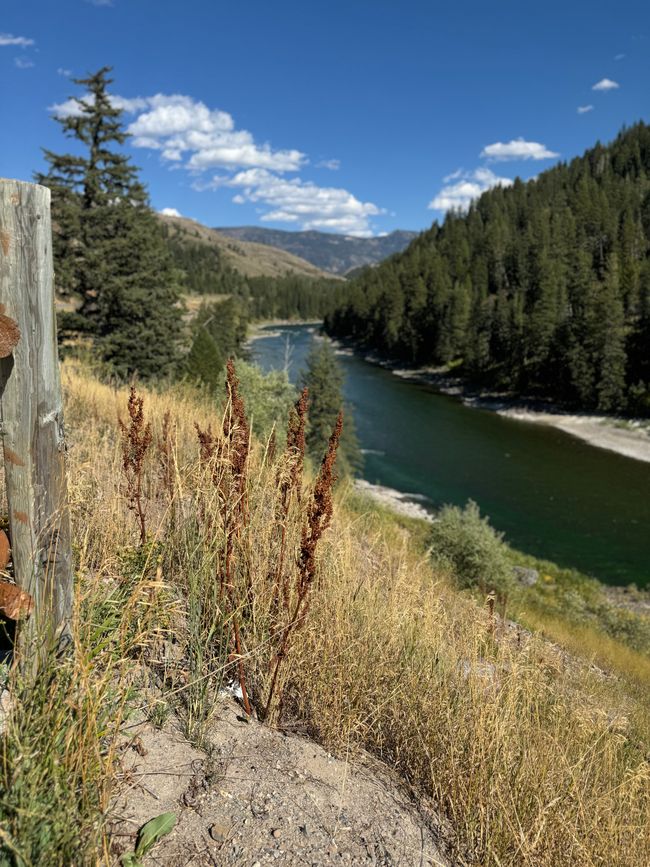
[627, 437]
[409, 505]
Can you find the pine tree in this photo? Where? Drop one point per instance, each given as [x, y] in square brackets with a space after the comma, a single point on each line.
[324, 379]
[611, 385]
[109, 250]
[204, 362]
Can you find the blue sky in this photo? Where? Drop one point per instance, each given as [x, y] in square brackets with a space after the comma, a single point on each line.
[356, 117]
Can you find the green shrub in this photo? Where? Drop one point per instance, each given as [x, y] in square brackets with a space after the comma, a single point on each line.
[268, 397]
[466, 543]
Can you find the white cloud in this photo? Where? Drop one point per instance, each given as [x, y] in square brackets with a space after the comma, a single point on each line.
[583, 109]
[65, 72]
[73, 107]
[183, 128]
[137, 103]
[23, 63]
[21, 41]
[332, 165]
[293, 200]
[517, 149]
[188, 134]
[171, 212]
[467, 186]
[453, 176]
[100, 2]
[70, 108]
[619, 57]
[606, 84]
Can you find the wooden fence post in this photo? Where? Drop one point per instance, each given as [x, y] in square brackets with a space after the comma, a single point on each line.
[31, 417]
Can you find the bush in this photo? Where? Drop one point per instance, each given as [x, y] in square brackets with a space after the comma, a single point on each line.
[268, 396]
[466, 543]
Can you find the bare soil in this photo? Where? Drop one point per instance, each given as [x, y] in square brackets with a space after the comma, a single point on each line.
[259, 796]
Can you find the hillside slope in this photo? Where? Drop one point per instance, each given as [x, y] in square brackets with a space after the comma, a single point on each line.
[248, 259]
[337, 254]
[541, 289]
[529, 755]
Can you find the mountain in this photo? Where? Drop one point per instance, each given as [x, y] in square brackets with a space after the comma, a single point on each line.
[541, 289]
[248, 258]
[337, 254]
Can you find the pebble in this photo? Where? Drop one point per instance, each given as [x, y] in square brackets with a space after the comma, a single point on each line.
[276, 833]
[218, 832]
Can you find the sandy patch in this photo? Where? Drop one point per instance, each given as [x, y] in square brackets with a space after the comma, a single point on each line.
[403, 504]
[259, 796]
[631, 441]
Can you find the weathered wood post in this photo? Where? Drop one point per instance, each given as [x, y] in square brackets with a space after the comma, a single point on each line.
[31, 417]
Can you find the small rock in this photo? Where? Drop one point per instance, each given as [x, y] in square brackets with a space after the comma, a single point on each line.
[276, 833]
[219, 832]
[527, 577]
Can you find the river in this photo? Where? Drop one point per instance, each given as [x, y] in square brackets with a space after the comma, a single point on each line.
[552, 495]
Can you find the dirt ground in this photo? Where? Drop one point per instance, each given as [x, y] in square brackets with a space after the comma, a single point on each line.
[257, 796]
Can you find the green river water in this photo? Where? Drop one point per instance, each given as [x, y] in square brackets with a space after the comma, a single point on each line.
[552, 495]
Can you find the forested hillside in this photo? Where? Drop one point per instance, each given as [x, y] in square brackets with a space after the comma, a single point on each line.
[206, 271]
[248, 258]
[542, 288]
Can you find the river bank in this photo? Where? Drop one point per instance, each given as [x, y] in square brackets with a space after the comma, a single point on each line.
[258, 330]
[627, 437]
[551, 494]
[407, 505]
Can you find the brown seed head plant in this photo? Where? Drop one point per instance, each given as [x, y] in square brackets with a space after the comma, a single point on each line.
[289, 482]
[136, 440]
[167, 460]
[319, 516]
[237, 435]
[228, 458]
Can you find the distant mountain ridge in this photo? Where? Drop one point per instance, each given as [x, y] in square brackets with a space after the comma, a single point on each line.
[337, 254]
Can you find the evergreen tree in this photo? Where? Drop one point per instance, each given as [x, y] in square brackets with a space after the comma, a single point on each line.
[204, 362]
[612, 355]
[109, 250]
[219, 333]
[324, 379]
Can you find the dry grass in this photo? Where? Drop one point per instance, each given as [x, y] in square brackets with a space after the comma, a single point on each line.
[534, 758]
[246, 257]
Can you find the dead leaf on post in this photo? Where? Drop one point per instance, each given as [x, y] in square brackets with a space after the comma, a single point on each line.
[9, 335]
[16, 604]
[5, 550]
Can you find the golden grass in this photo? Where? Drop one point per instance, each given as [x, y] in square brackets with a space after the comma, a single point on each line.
[592, 645]
[246, 257]
[532, 757]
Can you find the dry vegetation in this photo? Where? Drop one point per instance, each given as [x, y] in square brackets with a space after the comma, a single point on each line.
[535, 757]
[246, 257]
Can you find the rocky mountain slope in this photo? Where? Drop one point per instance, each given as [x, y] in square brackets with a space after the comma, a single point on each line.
[335, 253]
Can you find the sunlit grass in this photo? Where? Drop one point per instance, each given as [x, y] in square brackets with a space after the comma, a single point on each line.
[533, 757]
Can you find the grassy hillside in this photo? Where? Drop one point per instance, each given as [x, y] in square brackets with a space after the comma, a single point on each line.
[247, 258]
[533, 755]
